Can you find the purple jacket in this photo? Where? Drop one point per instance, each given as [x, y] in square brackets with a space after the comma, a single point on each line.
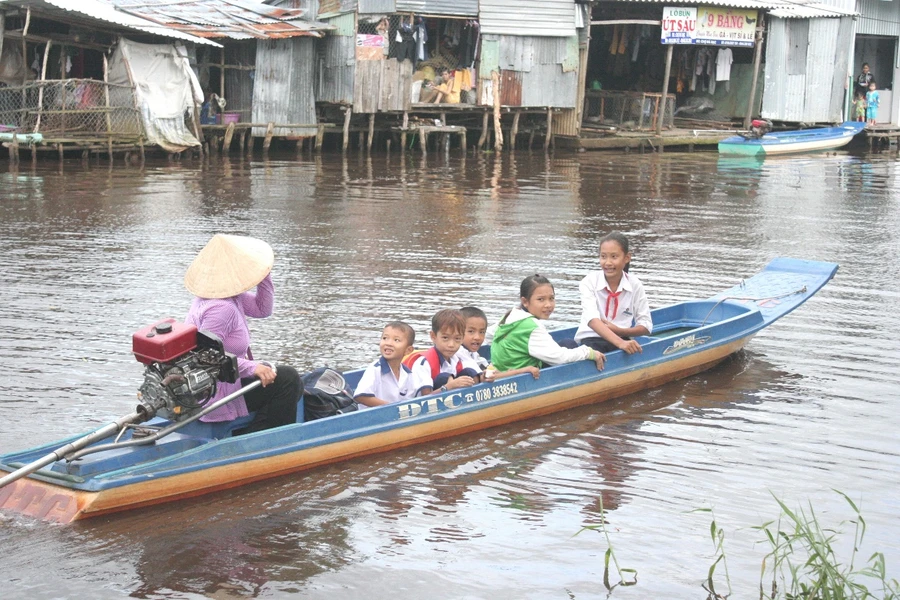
[227, 318]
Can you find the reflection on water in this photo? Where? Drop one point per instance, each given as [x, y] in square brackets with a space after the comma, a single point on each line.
[88, 255]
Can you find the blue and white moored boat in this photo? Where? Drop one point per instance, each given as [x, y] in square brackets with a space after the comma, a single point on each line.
[144, 459]
[790, 142]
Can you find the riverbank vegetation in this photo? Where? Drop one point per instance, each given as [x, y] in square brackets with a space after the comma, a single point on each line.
[804, 559]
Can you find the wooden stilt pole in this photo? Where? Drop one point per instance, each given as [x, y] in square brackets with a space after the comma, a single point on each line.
[371, 135]
[484, 131]
[320, 136]
[665, 91]
[549, 130]
[515, 131]
[347, 114]
[40, 106]
[229, 133]
[757, 58]
[498, 132]
[270, 130]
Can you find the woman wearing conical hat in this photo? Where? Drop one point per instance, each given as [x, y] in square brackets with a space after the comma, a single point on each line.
[221, 278]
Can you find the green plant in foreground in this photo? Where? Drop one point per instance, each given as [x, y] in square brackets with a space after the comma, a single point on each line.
[610, 555]
[803, 564]
[717, 535]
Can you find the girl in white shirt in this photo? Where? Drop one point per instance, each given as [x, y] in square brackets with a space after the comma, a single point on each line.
[614, 307]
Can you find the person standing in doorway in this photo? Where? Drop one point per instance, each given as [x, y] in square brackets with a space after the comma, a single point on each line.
[864, 79]
[871, 104]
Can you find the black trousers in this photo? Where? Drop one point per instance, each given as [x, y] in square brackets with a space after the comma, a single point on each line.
[275, 404]
[597, 343]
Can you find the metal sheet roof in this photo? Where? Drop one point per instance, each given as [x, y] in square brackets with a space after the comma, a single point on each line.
[784, 9]
[96, 10]
[234, 19]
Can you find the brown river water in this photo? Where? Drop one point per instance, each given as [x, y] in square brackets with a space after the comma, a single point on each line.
[89, 254]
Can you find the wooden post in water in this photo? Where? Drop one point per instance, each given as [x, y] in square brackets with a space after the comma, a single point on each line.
[757, 57]
[270, 130]
[320, 136]
[549, 129]
[498, 132]
[514, 132]
[229, 133]
[484, 131]
[347, 114]
[371, 135]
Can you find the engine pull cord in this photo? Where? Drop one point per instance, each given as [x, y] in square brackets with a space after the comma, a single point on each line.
[747, 298]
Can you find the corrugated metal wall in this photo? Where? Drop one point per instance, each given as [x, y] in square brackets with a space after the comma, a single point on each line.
[283, 86]
[337, 61]
[331, 7]
[531, 69]
[878, 18]
[239, 83]
[528, 17]
[814, 93]
[460, 8]
[377, 7]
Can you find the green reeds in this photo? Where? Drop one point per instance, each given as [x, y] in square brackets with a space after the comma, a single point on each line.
[802, 563]
[610, 555]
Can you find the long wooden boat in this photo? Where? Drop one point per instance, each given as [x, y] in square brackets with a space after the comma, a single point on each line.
[688, 338]
[791, 142]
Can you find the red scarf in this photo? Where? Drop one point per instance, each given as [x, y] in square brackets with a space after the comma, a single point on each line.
[613, 299]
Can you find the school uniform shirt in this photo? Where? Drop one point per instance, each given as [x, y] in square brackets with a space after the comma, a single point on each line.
[624, 307]
[422, 369]
[378, 381]
[521, 340]
[465, 354]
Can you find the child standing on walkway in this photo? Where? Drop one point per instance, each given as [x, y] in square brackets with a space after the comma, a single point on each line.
[614, 307]
[859, 107]
[871, 104]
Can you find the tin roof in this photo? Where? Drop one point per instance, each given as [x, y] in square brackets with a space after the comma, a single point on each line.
[234, 19]
[784, 9]
[92, 11]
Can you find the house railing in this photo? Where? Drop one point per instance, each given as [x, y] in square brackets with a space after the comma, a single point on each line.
[629, 110]
[71, 109]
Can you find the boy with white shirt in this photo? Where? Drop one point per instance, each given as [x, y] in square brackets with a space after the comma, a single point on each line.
[388, 380]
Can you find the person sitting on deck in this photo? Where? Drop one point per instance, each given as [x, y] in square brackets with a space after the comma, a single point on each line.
[521, 340]
[614, 307]
[388, 380]
[220, 278]
[448, 91]
[440, 365]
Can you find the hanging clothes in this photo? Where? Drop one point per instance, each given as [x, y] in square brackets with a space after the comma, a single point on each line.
[723, 64]
[421, 36]
[614, 46]
[406, 43]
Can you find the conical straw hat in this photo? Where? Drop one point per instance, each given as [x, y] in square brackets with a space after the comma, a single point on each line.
[228, 265]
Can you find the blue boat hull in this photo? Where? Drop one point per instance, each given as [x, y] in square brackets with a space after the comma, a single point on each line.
[688, 338]
[792, 142]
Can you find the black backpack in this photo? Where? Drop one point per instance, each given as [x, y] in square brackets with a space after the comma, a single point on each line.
[325, 394]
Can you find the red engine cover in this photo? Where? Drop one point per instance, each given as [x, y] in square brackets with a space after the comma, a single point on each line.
[163, 341]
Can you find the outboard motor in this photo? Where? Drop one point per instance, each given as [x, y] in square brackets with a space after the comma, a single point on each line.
[183, 366]
[759, 128]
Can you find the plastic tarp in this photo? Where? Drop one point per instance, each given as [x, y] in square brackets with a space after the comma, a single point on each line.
[12, 68]
[165, 87]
